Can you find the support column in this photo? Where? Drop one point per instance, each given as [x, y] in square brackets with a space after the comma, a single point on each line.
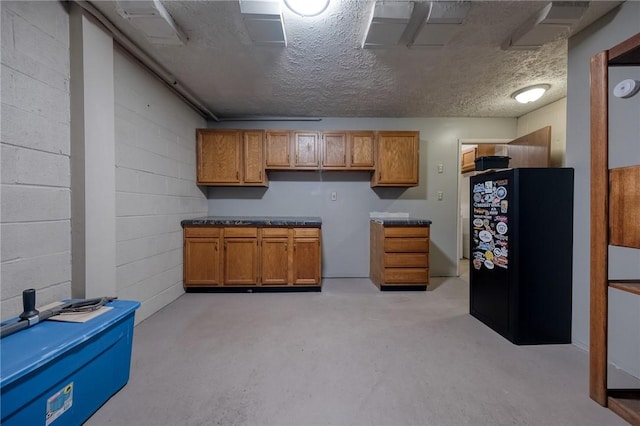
[93, 224]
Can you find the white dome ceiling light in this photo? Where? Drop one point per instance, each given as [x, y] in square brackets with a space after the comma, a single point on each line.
[530, 94]
[307, 8]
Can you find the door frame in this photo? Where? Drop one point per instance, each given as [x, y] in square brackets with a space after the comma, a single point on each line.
[461, 142]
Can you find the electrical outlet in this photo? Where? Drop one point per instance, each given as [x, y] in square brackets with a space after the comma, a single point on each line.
[440, 168]
[440, 195]
[334, 196]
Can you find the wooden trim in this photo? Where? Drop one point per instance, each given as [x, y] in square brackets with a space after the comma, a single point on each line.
[627, 52]
[599, 228]
[630, 286]
[626, 404]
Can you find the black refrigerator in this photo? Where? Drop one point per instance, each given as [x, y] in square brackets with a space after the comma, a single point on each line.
[521, 253]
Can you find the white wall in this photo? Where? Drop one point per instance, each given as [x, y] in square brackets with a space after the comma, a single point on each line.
[554, 115]
[35, 226]
[624, 128]
[155, 186]
[345, 229]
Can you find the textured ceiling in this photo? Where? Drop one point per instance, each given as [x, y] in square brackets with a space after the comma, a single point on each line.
[323, 72]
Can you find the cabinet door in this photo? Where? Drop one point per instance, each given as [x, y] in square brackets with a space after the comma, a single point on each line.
[485, 149]
[306, 261]
[334, 152]
[275, 261]
[306, 149]
[467, 159]
[240, 261]
[219, 156]
[253, 159]
[277, 145]
[201, 262]
[361, 146]
[397, 159]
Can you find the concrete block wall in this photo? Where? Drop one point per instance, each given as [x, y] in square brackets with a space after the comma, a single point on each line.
[155, 186]
[35, 215]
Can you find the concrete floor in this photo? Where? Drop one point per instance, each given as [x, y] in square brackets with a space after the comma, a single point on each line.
[349, 355]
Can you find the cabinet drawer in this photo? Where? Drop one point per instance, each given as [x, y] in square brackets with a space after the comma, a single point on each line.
[406, 231]
[406, 245]
[406, 275]
[240, 232]
[201, 232]
[406, 260]
[306, 232]
[275, 232]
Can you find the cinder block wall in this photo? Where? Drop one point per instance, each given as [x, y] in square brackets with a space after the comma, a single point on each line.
[155, 186]
[155, 168]
[35, 216]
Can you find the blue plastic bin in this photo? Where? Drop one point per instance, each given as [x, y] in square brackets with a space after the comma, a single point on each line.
[59, 373]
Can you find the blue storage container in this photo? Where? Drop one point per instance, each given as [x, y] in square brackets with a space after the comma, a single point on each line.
[59, 373]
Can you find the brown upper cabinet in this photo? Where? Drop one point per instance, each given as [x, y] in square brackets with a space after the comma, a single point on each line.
[361, 150]
[334, 154]
[348, 150]
[307, 150]
[253, 157]
[230, 157]
[287, 150]
[397, 159]
[242, 157]
[277, 149]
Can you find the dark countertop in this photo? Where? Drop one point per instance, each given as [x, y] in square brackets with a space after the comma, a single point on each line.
[402, 221]
[255, 221]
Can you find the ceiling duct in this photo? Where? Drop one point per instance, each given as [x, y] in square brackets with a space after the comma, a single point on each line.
[388, 22]
[442, 24]
[152, 19]
[263, 19]
[554, 20]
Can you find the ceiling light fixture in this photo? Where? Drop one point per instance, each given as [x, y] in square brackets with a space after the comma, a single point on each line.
[530, 94]
[307, 8]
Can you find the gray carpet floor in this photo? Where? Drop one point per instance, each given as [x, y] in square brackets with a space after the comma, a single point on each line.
[349, 355]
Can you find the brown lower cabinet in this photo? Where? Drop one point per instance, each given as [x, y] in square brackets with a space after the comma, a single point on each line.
[249, 256]
[240, 256]
[399, 256]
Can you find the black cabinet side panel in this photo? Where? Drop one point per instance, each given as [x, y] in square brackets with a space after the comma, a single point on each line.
[545, 247]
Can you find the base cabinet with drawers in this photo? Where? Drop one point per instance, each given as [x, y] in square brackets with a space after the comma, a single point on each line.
[251, 256]
[399, 255]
